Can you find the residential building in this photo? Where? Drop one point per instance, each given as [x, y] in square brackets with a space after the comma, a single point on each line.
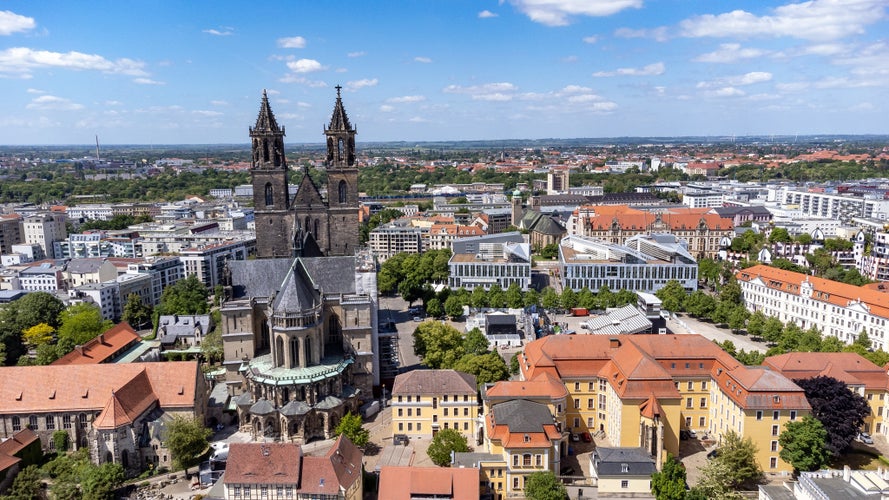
[739, 215]
[874, 264]
[10, 232]
[702, 198]
[860, 375]
[837, 309]
[187, 330]
[117, 411]
[443, 235]
[107, 347]
[395, 237]
[105, 296]
[84, 271]
[483, 261]
[208, 262]
[426, 401]
[645, 263]
[622, 471]
[843, 207]
[99, 244]
[44, 276]
[45, 229]
[642, 390]
[445, 483]
[279, 471]
[164, 271]
[557, 181]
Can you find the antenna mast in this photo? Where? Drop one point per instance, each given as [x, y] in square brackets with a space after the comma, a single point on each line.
[97, 148]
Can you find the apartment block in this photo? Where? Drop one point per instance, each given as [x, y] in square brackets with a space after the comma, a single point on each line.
[426, 401]
[484, 261]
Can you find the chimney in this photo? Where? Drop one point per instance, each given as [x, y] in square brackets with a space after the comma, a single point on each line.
[102, 339]
[614, 342]
[79, 349]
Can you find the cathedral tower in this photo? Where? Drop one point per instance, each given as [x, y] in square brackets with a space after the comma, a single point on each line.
[271, 200]
[342, 182]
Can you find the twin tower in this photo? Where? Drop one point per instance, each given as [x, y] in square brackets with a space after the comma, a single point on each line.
[307, 225]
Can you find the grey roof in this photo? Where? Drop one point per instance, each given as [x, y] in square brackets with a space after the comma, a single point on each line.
[470, 245]
[836, 487]
[622, 320]
[434, 382]
[772, 492]
[296, 293]
[258, 278]
[500, 319]
[218, 396]
[332, 274]
[262, 407]
[732, 211]
[294, 408]
[611, 462]
[521, 415]
[83, 266]
[244, 399]
[328, 403]
[471, 459]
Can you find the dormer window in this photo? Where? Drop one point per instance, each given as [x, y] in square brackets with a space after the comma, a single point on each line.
[527, 438]
[624, 467]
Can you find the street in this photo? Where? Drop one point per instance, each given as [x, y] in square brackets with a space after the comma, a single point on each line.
[683, 324]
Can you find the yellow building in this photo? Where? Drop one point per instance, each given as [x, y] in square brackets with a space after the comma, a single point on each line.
[426, 401]
[643, 390]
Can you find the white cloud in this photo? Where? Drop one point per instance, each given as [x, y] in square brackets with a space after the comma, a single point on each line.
[22, 61]
[590, 39]
[407, 98]
[486, 14]
[355, 54]
[219, 103]
[727, 92]
[660, 91]
[113, 103]
[737, 80]
[301, 104]
[810, 20]
[147, 81]
[385, 108]
[558, 12]
[501, 91]
[421, 59]
[360, 84]
[574, 89]
[305, 66]
[729, 53]
[660, 34]
[10, 22]
[292, 42]
[303, 81]
[653, 69]
[225, 31]
[35, 91]
[53, 103]
[207, 113]
[792, 86]
[418, 119]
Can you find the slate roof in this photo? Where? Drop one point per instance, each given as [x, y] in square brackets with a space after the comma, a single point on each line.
[85, 266]
[611, 461]
[333, 274]
[294, 408]
[259, 277]
[296, 293]
[521, 415]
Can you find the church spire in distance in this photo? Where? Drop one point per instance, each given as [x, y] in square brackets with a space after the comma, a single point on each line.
[340, 136]
[267, 137]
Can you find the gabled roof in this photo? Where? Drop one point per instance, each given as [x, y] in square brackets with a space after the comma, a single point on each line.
[263, 463]
[543, 386]
[405, 483]
[434, 382]
[848, 367]
[103, 347]
[623, 462]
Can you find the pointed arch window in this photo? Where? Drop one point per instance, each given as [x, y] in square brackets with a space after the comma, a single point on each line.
[343, 194]
[316, 232]
[269, 194]
[308, 226]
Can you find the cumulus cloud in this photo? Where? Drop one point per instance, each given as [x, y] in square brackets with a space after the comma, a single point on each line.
[653, 69]
[207, 113]
[53, 103]
[559, 12]
[291, 78]
[305, 66]
[590, 39]
[22, 61]
[35, 91]
[501, 91]
[219, 103]
[486, 14]
[360, 84]
[385, 108]
[729, 53]
[737, 80]
[727, 92]
[421, 59]
[406, 99]
[10, 23]
[292, 42]
[225, 31]
[660, 34]
[810, 20]
[355, 54]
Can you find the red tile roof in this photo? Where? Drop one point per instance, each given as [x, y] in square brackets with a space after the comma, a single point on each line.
[404, 483]
[103, 347]
[263, 463]
[543, 386]
[849, 367]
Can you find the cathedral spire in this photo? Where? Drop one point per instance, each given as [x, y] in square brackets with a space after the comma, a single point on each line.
[340, 136]
[265, 121]
[339, 121]
[267, 138]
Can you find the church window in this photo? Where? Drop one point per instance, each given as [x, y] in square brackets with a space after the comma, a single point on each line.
[269, 195]
[342, 191]
[316, 232]
[16, 424]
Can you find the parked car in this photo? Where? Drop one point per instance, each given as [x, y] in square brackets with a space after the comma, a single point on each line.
[865, 438]
[692, 434]
[575, 437]
[418, 319]
[400, 439]
[586, 437]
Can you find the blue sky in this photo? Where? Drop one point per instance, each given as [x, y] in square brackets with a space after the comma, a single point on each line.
[175, 72]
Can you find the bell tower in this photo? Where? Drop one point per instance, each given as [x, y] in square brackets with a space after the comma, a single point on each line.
[342, 182]
[271, 200]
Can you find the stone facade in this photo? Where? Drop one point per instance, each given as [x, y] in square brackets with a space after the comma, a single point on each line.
[309, 224]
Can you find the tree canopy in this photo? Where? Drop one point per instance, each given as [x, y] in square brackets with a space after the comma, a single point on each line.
[186, 296]
[350, 426]
[30, 310]
[669, 482]
[804, 444]
[544, 485]
[186, 439]
[841, 411]
[443, 443]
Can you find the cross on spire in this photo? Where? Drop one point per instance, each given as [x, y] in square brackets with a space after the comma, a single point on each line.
[338, 88]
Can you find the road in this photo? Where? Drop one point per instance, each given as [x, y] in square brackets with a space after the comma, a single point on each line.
[686, 324]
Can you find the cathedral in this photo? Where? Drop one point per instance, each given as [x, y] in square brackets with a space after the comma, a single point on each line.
[300, 322]
[308, 225]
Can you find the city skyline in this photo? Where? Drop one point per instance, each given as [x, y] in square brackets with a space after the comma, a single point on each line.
[193, 73]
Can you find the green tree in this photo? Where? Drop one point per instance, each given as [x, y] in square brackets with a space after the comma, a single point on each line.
[804, 238]
[475, 342]
[434, 308]
[700, 304]
[187, 440]
[443, 443]
[135, 312]
[531, 298]
[514, 364]
[60, 440]
[438, 345]
[779, 235]
[514, 296]
[544, 485]
[26, 485]
[772, 330]
[737, 460]
[669, 483]
[730, 292]
[737, 318]
[550, 251]
[186, 296]
[550, 299]
[80, 323]
[350, 426]
[487, 368]
[15, 317]
[709, 271]
[212, 347]
[453, 306]
[586, 299]
[756, 324]
[496, 297]
[804, 444]
[863, 339]
[479, 298]
[568, 299]
[99, 483]
[673, 296]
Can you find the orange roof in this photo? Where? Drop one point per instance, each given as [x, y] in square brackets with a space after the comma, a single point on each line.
[404, 483]
[103, 347]
[543, 386]
[263, 463]
[823, 290]
[676, 219]
[849, 367]
[89, 387]
[19, 441]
